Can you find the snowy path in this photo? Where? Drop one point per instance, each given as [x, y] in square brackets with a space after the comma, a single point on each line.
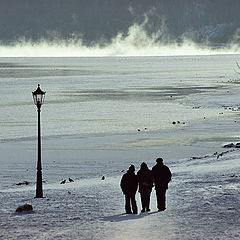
[202, 203]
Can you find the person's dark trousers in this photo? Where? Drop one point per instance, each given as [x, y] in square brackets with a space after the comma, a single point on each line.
[161, 199]
[130, 200]
[145, 199]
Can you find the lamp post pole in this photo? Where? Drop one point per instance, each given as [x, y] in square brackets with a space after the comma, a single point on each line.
[38, 97]
[39, 191]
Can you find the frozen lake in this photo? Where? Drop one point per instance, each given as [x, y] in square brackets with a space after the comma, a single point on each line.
[103, 114]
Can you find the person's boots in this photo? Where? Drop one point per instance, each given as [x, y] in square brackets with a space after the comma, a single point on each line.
[135, 210]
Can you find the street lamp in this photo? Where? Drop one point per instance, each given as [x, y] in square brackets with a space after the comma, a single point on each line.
[38, 98]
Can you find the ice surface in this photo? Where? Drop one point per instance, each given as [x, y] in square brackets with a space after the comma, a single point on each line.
[94, 108]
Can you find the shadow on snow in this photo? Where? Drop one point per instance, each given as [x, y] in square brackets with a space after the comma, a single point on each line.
[125, 217]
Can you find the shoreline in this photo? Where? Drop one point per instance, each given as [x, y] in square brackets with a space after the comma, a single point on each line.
[94, 156]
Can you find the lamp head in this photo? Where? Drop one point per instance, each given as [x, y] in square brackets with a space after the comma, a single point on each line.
[38, 96]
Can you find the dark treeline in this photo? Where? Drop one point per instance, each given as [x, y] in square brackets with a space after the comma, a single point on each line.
[98, 21]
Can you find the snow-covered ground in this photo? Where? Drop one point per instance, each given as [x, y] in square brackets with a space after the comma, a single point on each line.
[202, 203]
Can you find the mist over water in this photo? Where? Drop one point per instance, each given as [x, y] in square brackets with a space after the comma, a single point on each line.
[137, 42]
[112, 28]
[118, 48]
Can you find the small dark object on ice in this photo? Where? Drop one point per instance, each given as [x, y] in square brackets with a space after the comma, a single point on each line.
[206, 156]
[63, 182]
[103, 178]
[221, 154]
[237, 145]
[232, 145]
[139, 130]
[177, 122]
[24, 208]
[70, 180]
[228, 145]
[69, 192]
[23, 183]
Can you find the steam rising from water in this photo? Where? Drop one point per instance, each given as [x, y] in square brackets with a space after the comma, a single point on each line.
[136, 42]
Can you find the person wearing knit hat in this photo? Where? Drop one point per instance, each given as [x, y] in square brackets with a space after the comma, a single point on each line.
[129, 185]
[159, 160]
[162, 176]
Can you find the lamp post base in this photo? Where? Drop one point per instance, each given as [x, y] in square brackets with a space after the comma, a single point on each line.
[39, 191]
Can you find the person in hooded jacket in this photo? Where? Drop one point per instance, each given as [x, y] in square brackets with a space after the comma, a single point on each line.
[145, 181]
[162, 176]
[129, 185]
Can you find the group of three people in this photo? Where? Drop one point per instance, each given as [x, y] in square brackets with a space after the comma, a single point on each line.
[160, 176]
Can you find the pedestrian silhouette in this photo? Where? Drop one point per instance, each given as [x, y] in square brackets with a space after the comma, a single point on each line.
[161, 176]
[129, 184]
[145, 180]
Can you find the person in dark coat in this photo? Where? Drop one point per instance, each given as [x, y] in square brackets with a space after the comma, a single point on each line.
[129, 185]
[161, 176]
[145, 181]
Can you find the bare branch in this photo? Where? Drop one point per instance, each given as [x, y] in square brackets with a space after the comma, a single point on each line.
[238, 68]
[237, 65]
